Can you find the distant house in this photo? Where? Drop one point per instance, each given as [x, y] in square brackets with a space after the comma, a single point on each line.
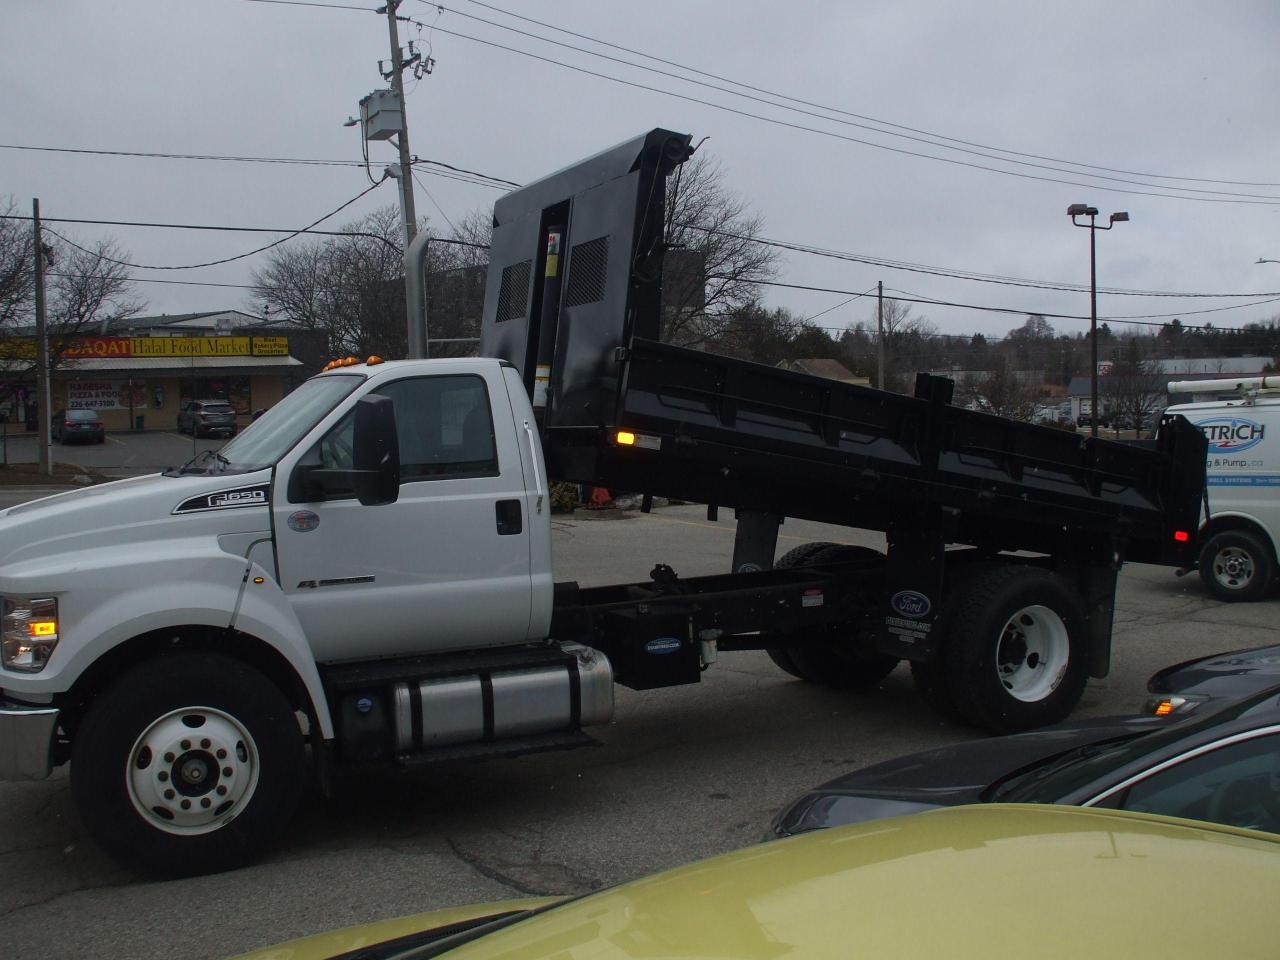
[1163, 371]
[831, 369]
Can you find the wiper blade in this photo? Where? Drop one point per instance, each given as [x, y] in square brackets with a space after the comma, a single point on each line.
[197, 463]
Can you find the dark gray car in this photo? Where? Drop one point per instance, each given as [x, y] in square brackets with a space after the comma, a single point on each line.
[1222, 766]
[77, 426]
[205, 417]
[1197, 684]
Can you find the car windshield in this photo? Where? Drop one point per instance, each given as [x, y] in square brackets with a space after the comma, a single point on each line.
[86, 415]
[273, 434]
[1066, 773]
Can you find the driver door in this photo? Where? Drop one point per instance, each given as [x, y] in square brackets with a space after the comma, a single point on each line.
[445, 567]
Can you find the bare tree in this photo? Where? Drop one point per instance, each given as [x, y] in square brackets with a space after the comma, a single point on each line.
[1004, 393]
[87, 286]
[349, 287]
[714, 266]
[1133, 391]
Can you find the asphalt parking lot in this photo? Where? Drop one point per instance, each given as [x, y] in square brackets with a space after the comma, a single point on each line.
[682, 773]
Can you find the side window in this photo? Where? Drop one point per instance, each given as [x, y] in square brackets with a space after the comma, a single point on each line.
[1237, 784]
[445, 428]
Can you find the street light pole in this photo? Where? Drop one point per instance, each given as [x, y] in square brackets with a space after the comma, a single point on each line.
[1084, 210]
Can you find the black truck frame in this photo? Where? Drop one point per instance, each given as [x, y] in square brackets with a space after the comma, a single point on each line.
[1004, 538]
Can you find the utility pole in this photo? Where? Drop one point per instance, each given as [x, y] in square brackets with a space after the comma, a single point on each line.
[43, 413]
[880, 334]
[402, 141]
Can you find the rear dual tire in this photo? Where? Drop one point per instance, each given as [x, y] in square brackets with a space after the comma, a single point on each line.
[823, 657]
[1012, 652]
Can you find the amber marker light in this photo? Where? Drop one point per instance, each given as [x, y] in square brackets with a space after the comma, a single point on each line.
[626, 438]
[43, 628]
[1164, 708]
[373, 361]
[259, 580]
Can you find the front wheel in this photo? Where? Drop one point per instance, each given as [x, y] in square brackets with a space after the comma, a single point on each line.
[1236, 566]
[1013, 653]
[188, 764]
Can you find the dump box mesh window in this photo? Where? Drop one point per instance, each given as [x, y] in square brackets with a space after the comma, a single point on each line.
[514, 293]
[588, 267]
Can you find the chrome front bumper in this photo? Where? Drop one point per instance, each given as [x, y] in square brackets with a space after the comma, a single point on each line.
[26, 735]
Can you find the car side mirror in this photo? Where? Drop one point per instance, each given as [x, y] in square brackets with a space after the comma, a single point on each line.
[375, 450]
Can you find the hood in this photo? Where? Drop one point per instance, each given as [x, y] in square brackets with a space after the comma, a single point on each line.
[133, 511]
[943, 777]
[1233, 674]
[977, 882]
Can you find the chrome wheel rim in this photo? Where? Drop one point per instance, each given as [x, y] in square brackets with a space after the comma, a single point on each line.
[1233, 568]
[192, 770]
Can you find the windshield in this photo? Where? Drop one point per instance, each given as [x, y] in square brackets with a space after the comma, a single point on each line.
[273, 434]
[1069, 772]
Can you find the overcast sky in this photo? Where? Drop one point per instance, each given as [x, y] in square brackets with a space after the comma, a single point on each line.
[1163, 90]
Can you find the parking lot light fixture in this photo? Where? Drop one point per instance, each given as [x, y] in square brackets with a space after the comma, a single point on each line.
[1075, 211]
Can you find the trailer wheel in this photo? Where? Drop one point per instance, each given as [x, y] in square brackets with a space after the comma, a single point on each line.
[1013, 652]
[189, 764]
[830, 660]
[1236, 566]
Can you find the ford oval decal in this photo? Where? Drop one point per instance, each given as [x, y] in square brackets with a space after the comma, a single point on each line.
[663, 645]
[910, 603]
[303, 521]
[1231, 434]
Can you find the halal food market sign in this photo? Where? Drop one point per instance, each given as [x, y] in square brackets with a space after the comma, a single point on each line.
[108, 348]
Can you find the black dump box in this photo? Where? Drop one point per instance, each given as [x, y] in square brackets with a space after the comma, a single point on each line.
[574, 302]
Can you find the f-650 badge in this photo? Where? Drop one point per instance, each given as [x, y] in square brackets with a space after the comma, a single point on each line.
[227, 499]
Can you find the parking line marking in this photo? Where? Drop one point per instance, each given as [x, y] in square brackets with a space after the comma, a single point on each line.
[114, 440]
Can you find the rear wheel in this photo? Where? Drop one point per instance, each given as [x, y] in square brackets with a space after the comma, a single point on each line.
[1236, 566]
[823, 657]
[189, 764]
[1013, 653]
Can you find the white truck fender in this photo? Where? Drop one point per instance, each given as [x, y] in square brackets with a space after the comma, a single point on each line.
[172, 584]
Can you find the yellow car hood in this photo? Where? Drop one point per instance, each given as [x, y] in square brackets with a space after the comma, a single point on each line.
[983, 882]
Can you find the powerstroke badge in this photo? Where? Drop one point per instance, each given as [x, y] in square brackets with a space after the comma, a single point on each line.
[303, 521]
[256, 496]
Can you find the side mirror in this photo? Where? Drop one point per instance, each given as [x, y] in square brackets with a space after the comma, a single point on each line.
[375, 473]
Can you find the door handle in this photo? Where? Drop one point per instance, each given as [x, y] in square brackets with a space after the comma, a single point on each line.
[507, 514]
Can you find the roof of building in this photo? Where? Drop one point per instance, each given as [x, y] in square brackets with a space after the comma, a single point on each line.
[832, 369]
[205, 320]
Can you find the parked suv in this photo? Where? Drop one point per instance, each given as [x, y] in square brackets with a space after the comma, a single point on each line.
[201, 417]
[84, 425]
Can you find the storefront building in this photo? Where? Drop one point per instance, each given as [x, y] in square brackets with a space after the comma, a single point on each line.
[137, 378]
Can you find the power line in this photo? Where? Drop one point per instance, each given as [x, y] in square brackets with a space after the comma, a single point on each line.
[184, 283]
[959, 275]
[460, 174]
[439, 209]
[858, 116]
[849, 123]
[239, 256]
[1127, 318]
[839, 136]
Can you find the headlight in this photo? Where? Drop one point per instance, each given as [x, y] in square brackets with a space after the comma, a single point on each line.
[28, 634]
